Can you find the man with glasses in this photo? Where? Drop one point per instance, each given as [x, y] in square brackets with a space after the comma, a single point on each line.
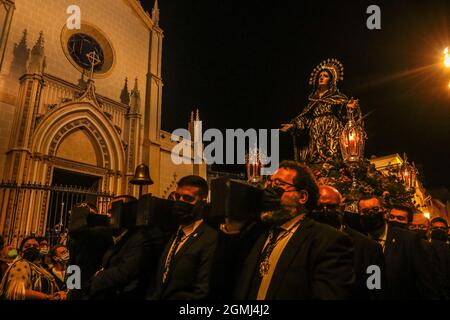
[367, 252]
[185, 265]
[295, 257]
[408, 264]
[421, 225]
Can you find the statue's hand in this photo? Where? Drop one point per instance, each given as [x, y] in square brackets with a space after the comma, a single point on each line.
[286, 127]
[353, 104]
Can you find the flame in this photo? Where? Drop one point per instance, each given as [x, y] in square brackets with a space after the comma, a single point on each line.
[352, 136]
[427, 215]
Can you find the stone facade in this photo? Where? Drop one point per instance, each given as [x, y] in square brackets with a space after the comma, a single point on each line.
[52, 116]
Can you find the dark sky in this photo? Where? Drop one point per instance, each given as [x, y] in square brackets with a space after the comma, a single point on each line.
[246, 64]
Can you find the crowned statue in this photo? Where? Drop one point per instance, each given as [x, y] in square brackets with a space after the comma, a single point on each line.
[317, 129]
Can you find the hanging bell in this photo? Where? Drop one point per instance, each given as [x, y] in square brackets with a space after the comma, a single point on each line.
[141, 176]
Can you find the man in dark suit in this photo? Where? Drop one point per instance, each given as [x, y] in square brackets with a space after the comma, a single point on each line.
[296, 257]
[407, 262]
[441, 250]
[367, 252]
[129, 263]
[184, 268]
[439, 229]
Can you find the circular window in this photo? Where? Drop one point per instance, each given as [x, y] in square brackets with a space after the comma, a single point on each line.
[78, 43]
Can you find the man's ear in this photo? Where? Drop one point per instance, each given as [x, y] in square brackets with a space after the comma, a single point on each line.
[303, 197]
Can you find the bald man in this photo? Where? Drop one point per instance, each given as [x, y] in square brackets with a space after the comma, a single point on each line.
[366, 252]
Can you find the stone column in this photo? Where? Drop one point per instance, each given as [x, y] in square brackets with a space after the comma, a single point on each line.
[9, 7]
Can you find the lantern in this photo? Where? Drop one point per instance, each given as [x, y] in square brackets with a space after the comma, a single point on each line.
[352, 146]
[254, 165]
[408, 175]
[352, 141]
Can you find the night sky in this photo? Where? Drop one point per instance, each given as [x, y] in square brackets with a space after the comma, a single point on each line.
[246, 64]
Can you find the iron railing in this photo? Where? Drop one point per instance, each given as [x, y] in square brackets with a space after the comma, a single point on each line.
[43, 210]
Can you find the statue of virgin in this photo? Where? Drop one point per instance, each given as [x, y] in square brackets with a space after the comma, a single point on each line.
[316, 130]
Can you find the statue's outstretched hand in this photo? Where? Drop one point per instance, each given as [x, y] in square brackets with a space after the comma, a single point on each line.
[353, 104]
[286, 127]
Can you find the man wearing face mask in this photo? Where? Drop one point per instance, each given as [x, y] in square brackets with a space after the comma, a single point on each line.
[296, 257]
[421, 225]
[59, 256]
[439, 230]
[400, 216]
[441, 251]
[185, 265]
[44, 251]
[407, 262]
[366, 252]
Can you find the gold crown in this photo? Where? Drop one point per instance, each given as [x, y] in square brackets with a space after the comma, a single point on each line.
[333, 65]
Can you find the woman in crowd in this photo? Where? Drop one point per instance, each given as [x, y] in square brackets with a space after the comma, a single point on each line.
[26, 279]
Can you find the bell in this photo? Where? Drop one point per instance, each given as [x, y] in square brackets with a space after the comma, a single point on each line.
[141, 176]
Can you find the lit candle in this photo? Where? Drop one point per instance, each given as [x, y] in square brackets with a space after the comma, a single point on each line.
[352, 143]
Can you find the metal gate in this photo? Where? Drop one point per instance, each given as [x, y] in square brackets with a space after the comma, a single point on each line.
[28, 202]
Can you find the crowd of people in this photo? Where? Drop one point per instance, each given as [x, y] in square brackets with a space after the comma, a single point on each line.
[307, 246]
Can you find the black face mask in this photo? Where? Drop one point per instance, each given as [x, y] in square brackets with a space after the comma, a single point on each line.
[271, 199]
[422, 234]
[184, 212]
[397, 224]
[31, 254]
[327, 216]
[439, 234]
[353, 220]
[372, 220]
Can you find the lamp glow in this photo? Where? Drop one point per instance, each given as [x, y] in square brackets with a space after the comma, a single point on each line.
[446, 58]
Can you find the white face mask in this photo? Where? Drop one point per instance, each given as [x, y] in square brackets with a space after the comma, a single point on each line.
[43, 251]
[64, 258]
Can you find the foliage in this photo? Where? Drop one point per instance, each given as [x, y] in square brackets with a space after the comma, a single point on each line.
[370, 181]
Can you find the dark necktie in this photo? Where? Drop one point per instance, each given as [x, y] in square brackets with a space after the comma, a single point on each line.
[171, 254]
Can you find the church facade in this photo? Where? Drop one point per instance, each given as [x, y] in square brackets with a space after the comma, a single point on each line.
[80, 109]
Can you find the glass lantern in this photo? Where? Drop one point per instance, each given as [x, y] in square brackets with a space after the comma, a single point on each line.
[352, 141]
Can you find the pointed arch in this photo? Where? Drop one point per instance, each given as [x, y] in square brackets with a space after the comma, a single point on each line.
[64, 119]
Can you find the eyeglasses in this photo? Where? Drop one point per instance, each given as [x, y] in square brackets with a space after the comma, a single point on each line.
[278, 183]
[373, 210]
[414, 227]
[183, 197]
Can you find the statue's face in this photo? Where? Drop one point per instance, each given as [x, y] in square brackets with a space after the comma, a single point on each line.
[324, 78]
